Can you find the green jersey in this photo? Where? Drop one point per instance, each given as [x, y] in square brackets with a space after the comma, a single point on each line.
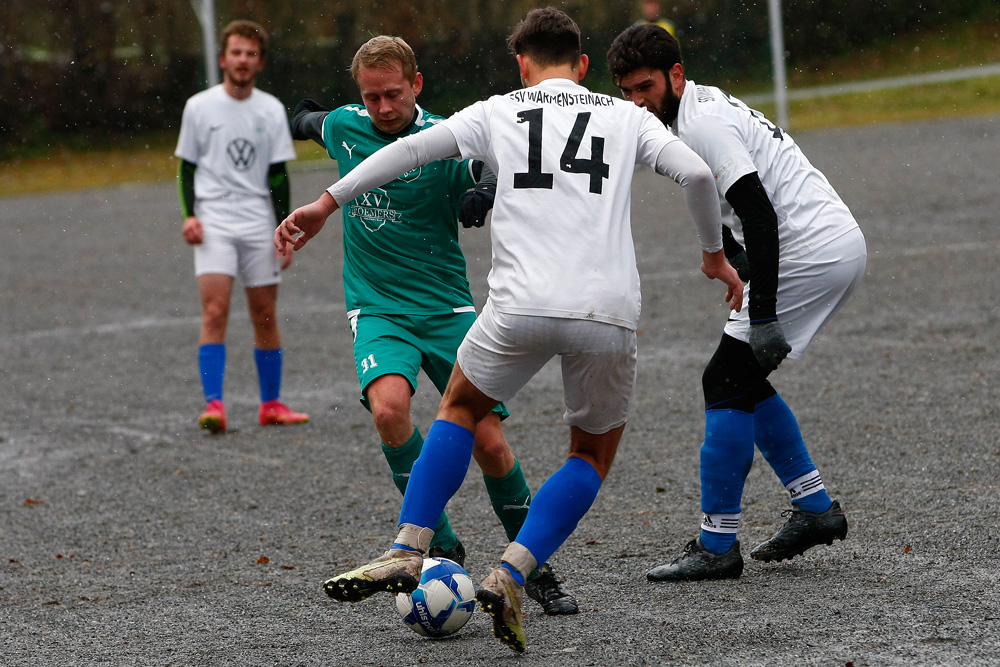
[401, 251]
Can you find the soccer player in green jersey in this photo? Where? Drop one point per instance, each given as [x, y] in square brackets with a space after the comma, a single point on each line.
[405, 284]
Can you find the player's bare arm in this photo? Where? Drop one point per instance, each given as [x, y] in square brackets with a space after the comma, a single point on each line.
[304, 223]
[716, 267]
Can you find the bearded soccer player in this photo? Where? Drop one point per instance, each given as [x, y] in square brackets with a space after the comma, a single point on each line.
[804, 255]
[564, 283]
[405, 285]
[233, 145]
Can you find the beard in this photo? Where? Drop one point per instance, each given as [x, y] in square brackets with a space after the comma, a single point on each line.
[669, 106]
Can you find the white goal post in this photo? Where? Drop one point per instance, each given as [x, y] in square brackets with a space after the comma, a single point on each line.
[205, 11]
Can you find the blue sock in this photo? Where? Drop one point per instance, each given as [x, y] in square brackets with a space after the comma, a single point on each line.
[518, 577]
[558, 507]
[401, 461]
[437, 473]
[726, 457]
[268, 373]
[212, 368]
[780, 441]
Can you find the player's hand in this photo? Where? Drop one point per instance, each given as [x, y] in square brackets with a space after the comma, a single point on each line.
[307, 105]
[715, 266]
[740, 262]
[768, 344]
[304, 223]
[475, 204]
[192, 230]
[284, 258]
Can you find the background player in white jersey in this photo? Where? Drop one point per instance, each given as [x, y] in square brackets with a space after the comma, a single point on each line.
[563, 283]
[405, 284]
[233, 145]
[805, 255]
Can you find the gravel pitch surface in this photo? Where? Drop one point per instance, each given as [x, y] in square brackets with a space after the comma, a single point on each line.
[128, 536]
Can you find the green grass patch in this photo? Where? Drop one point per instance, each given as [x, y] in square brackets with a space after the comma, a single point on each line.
[972, 97]
[141, 160]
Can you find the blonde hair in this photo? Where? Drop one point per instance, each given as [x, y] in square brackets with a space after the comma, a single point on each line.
[385, 52]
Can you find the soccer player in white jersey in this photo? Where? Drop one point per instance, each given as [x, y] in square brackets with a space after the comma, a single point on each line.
[233, 146]
[405, 283]
[563, 283]
[804, 255]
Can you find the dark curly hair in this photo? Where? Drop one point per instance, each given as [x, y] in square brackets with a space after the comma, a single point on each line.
[643, 45]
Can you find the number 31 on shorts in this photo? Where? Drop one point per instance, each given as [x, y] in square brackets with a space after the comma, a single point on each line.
[368, 363]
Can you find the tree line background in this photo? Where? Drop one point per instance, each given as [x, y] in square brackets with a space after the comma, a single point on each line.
[84, 72]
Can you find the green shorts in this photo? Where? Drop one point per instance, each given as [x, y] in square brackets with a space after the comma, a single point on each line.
[404, 344]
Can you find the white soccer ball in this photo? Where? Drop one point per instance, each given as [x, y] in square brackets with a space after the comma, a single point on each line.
[442, 603]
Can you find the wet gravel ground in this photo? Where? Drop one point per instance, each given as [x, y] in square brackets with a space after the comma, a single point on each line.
[128, 536]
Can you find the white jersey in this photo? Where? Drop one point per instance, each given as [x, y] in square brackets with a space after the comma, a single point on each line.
[561, 227]
[234, 143]
[735, 141]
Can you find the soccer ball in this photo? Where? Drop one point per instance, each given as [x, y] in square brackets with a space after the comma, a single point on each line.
[442, 603]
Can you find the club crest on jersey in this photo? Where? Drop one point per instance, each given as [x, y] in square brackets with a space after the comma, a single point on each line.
[411, 175]
[373, 209]
[242, 153]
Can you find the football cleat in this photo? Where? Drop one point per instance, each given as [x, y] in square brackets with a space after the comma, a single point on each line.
[395, 571]
[697, 563]
[456, 553]
[500, 597]
[802, 531]
[278, 414]
[213, 419]
[543, 587]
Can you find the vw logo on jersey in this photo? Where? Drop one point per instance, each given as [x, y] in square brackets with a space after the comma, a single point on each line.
[411, 175]
[373, 209]
[242, 152]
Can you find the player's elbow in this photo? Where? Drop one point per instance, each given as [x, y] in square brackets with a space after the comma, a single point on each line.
[700, 176]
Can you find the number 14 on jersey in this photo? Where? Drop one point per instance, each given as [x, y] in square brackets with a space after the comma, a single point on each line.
[569, 161]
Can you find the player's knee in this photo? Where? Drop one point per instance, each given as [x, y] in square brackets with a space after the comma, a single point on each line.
[389, 417]
[264, 317]
[491, 450]
[725, 388]
[716, 384]
[732, 378]
[215, 315]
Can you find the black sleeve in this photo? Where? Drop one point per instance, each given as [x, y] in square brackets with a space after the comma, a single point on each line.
[760, 233]
[185, 187]
[277, 181]
[729, 244]
[307, 121]
[485, 178]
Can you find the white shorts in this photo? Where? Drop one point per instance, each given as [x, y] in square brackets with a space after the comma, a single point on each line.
[502, 352]
[811, 289]
[242, 250]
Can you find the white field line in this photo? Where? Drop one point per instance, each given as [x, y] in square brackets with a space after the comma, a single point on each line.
[943, 76]
[112, 328]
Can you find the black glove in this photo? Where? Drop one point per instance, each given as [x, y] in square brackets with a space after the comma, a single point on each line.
[475, 204]
[740, 262]
[307, 105]
[768, 344]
